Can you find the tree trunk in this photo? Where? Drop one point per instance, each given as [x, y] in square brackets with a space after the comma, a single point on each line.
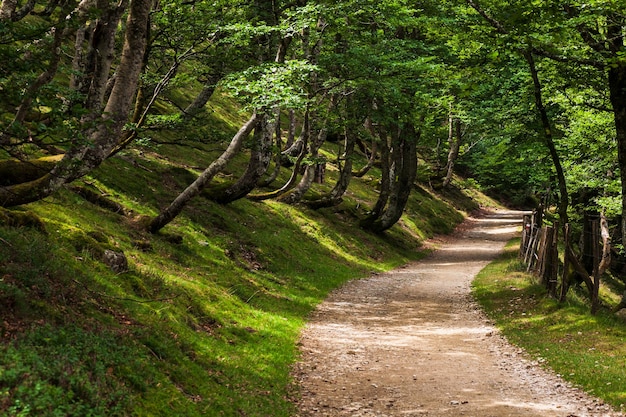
[385, 181]
[345, 174]
[291, 133]
[373, 151]
[545, 121]
[303, 140]
[7, 9]
[202, 98]
[84, 156]
[406, 171]
[260, 158]
[617, 90]
[168, 214]
[99, 59]
[454, 139]
[278, 144]
[309, 173]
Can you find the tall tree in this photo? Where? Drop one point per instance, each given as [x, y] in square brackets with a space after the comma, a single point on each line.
[101, 126]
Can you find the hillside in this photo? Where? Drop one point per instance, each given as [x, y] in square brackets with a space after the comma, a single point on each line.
[204, 318]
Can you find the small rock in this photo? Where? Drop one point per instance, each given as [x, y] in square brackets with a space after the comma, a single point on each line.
[115, 260]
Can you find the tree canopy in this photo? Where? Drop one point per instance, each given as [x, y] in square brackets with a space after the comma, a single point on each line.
[528, 98]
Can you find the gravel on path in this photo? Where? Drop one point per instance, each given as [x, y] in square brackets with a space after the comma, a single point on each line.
[412, 342]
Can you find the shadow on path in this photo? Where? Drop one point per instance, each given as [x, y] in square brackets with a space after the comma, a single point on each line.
[412, 342]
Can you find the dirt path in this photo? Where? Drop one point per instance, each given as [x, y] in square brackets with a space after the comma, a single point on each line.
[412, 342]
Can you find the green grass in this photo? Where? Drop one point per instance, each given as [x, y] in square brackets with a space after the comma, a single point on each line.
[587, 350]
[208, 326]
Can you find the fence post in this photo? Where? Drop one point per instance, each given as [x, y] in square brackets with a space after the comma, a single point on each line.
[554, 261]
[526, 229]
[539, 236]
[543, 254]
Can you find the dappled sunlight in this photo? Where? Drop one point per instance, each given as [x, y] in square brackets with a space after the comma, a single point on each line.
[531, 406]
[412, 342]
[317, 231]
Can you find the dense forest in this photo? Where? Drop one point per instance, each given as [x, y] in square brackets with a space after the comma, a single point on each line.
[286, 104]
[527, 98]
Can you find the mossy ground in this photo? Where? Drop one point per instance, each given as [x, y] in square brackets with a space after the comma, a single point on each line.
[206, 319]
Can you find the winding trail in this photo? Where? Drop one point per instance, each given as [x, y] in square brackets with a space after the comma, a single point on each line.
[412, 342]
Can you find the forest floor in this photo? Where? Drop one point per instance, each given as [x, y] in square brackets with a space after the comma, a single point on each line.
[412, 342]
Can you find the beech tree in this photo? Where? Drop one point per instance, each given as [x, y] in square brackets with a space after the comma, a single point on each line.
[97, 119]
[580, 46]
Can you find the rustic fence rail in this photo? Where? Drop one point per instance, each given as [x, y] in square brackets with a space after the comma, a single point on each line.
[539, 250]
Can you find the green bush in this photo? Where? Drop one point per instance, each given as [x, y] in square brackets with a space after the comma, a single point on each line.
[65, 371]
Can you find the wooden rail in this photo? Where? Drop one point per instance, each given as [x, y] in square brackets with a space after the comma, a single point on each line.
[539, 250]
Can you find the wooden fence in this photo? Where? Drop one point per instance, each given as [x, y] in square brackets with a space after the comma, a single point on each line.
[539, 249]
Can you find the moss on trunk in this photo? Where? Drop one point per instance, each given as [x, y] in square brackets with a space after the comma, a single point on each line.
[13, 171]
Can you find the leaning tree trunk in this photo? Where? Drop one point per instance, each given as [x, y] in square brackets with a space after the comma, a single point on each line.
[196, 106]
[335, 196]
[547, 128]
[86, 155]
[291, 182]
[373, 151]
[260, 158]
[168, 214]
[405, 172]
[295, 196]
[385, 181]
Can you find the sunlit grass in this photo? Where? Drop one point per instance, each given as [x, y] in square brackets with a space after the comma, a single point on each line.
[587, 350]
[203, 324]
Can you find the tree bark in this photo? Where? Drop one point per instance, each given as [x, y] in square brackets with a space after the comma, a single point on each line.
[304, 185]
[260, 158]
[96, 66]
[174, 209]
[385, 180]
[402, 173]
[373, 151]
[7, 9]
[84, 156]
[547, 128]
[617, 90]
[403, 183]
[454, 140]
[335, 196]
[303, 140]
[202, 98]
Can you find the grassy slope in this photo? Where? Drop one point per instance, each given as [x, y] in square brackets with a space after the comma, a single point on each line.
[204, 327]
[587, 350]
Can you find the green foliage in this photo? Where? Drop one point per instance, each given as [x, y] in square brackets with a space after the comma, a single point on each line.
[66, 371]
[270, 85]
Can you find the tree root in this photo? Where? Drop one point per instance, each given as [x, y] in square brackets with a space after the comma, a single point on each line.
[21, 219]
[98, 199]
[13, 171]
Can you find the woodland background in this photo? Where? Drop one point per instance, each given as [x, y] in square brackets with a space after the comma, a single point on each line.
[173, 174]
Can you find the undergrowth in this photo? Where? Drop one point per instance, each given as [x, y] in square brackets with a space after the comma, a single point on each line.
[206, 318]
